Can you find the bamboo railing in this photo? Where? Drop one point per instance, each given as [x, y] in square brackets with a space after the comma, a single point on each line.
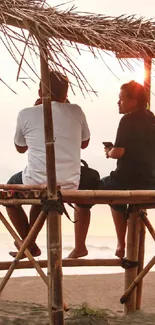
[136, 234]
[143, 197]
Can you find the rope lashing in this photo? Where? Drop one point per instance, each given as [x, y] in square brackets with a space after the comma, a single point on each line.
[55, 205]
[127, 264]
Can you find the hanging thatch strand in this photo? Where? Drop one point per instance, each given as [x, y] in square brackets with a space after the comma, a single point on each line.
[127, 35]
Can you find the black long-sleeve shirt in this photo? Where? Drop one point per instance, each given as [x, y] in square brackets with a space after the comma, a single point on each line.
[136, 133]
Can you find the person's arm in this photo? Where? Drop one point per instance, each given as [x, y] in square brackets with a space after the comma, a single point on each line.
[84, 144]
[21, 149]
[115, 152]
[19, 139]
[38, 101]
[118, 149]
[85, 133]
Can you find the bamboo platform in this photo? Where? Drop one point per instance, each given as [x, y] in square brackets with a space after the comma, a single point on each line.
[140, 199]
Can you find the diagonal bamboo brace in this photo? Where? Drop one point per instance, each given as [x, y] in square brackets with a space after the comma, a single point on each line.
[140, 276]
[28, 240]
[147, 223]
[27, 252]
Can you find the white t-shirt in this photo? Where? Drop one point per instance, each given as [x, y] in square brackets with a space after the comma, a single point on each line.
[70, 129]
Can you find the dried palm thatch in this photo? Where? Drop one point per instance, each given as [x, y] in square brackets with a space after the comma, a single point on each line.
[126, 36]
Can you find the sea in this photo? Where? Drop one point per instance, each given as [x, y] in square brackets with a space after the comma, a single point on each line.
[98, 247]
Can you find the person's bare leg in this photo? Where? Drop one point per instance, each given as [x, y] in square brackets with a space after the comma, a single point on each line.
[120, 222]
[81, 230]
[19, 219]
[34, 213]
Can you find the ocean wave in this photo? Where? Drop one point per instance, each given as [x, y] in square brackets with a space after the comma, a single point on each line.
[67, 248]
[105, 248]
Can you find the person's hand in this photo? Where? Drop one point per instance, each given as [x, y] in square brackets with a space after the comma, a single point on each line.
[107, 149]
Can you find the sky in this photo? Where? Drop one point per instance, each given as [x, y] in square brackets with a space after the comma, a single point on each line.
[101, 111]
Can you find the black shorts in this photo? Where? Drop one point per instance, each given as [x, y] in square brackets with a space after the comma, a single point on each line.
[84, 186]
[109, 183]
[16, 179]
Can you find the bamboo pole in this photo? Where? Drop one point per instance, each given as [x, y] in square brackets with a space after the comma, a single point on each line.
[110, 196]
[142, 197]
[141, 255]
[26, 243]
[77, 199]
[148, 225]
[132, 255]
[68, 194]
[122, 55]
[33, 262]
[147, 78]
[22, 187]
[55, 295]
[140, 276]
[7, 202]
[71, 262]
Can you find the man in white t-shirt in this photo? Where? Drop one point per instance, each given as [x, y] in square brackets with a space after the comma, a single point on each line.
[71, 133]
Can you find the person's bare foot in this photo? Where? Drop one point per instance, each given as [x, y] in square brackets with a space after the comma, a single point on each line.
[34, 250]
[120, 251]
[76, 254]
[33, 253]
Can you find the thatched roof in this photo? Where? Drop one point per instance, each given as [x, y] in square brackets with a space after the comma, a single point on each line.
[127, 36]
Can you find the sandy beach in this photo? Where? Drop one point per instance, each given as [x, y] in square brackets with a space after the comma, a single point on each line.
[24, 300]
[99, 291]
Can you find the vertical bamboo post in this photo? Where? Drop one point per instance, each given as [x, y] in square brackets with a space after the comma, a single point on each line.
[147, 78]
[55, 298]
[132, 255]
[141, 263]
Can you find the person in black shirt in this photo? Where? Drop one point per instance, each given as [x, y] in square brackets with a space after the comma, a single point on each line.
[134, 150]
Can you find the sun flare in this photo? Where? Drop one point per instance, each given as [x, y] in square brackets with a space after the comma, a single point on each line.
[138, 75]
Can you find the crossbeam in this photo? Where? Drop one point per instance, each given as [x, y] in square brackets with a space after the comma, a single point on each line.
[85, 196]
[71, 262]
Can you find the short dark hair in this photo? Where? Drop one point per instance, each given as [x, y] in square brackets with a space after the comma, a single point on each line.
[135, 90]
[58, 85]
